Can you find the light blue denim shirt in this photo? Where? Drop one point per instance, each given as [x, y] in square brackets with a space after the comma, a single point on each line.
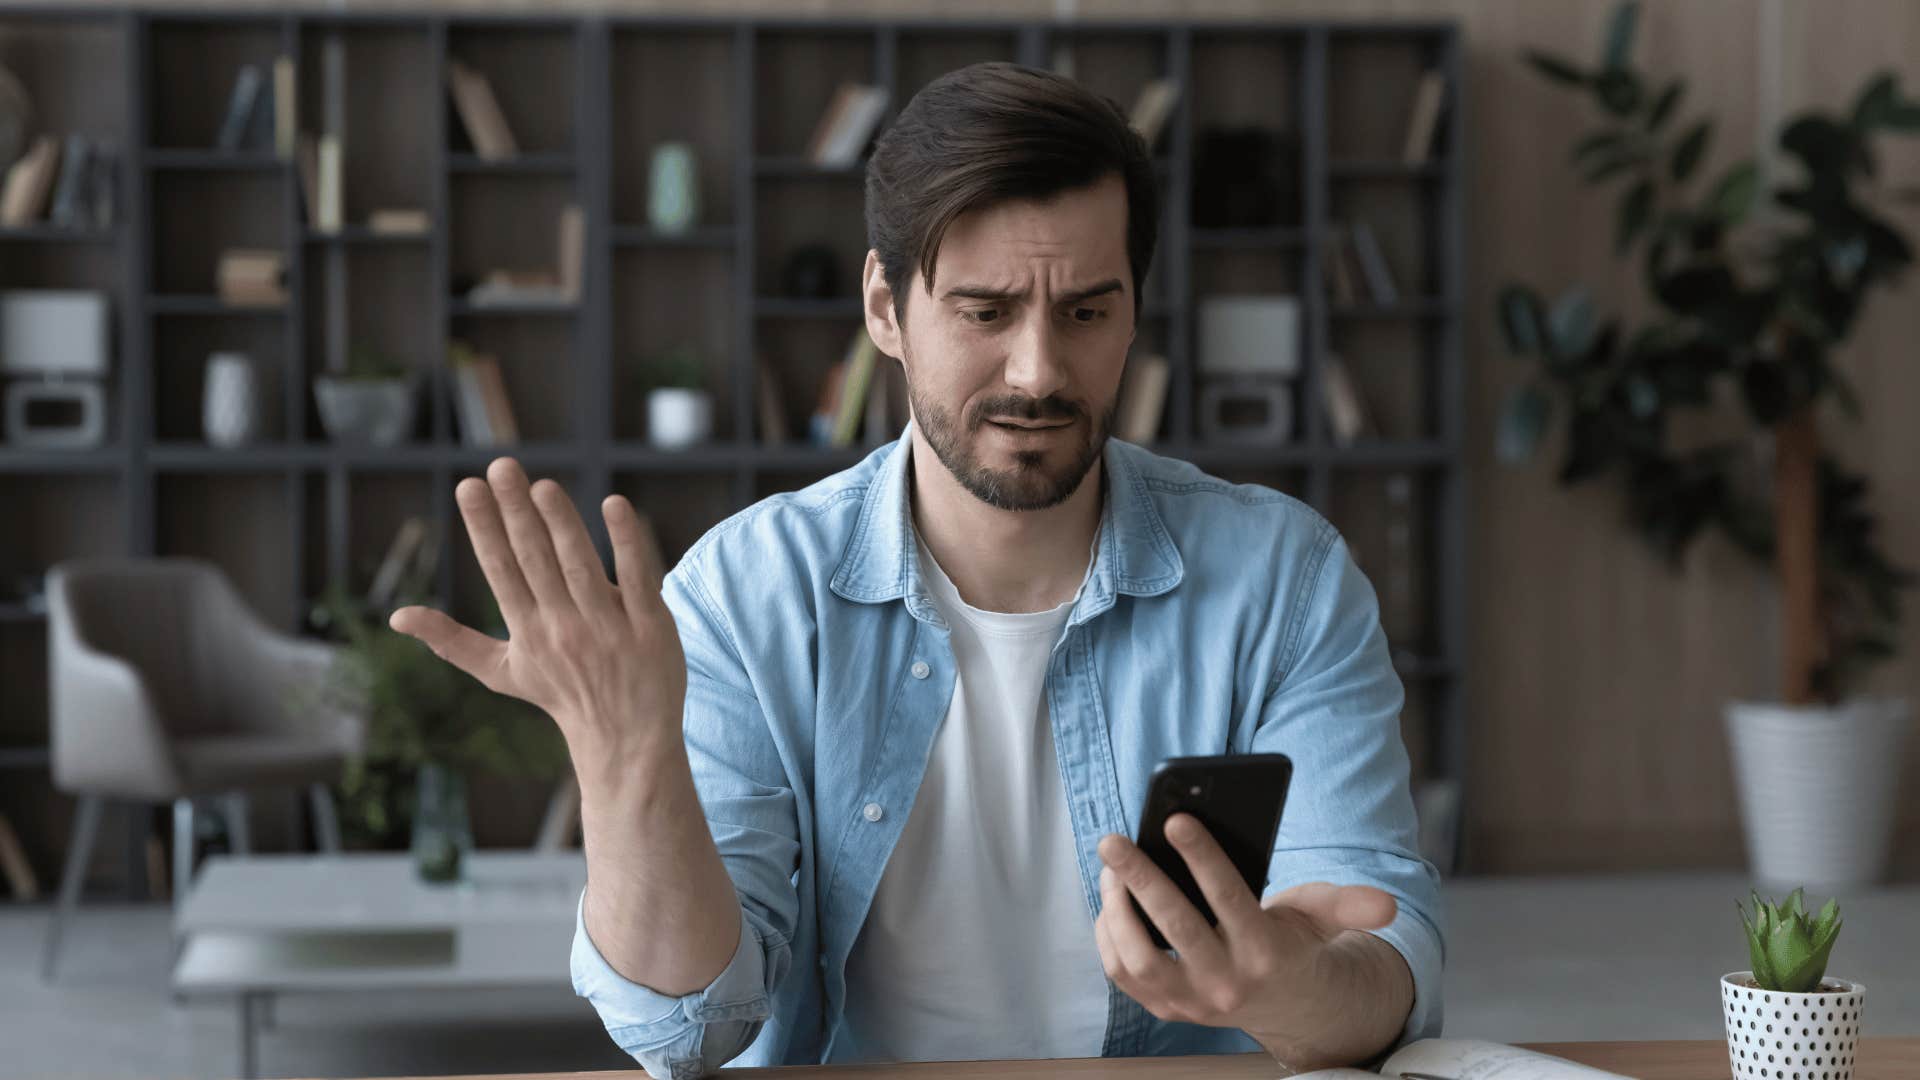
[1218, 618]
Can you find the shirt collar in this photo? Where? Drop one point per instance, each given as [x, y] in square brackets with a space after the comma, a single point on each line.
[1133, 553]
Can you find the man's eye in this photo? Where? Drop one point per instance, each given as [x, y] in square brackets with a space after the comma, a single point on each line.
[983, 315]
[1087, 314]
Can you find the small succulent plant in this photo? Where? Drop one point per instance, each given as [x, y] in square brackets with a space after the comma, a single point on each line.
[1789, 947]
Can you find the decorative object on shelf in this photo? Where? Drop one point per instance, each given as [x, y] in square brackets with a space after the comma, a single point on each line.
[329, 212]
[369, 404]
[480, 115]
[242, 102]
[1255, 334]
[679, 407]
[673, 189]
[811, 272]
[29, 184]
[1424, 119]
[286, 107]
[1246, 410]
[68, 209]
[1757, 322]
[229, 404]
[1152, 108]
[251, 277]
[847, 125]
[1143, 399]
[16, 118]
[398, 221]
[1784, 1017]
[1245, 178]
[480, 401]
[1373, 265]
[1348, 418]
[419, 709]
[54, 343]
[442, 830]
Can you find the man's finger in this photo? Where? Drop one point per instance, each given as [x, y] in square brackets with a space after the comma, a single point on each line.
[580, 565]
[488, 533]
[464, 647]
[1179, 921]
[636, 555]
[1233, 904]
[1128, 935]
[1334, 908]
[527, 531]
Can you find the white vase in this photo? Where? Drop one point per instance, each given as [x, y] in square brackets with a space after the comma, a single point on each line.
[1817, 789]
[1776, 1036]
[678, 417]
[229, 406]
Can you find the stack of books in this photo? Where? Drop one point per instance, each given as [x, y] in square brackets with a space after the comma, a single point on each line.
[847, 125]
[252, 277]
[480, 402]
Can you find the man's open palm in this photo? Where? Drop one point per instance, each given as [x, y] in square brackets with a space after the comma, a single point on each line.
[602, 659]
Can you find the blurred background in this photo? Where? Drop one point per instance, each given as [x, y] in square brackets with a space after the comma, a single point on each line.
[1588, 324]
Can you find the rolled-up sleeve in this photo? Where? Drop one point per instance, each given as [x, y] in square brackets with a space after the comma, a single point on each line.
[749, 808]
[1334, 708]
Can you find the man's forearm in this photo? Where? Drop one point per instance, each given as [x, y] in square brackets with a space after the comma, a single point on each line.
[1366, 991]
[659, 904]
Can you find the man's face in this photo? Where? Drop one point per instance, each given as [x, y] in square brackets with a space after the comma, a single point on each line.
[1013, 364]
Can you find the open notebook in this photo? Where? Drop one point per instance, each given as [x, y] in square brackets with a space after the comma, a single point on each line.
[1468, 1059]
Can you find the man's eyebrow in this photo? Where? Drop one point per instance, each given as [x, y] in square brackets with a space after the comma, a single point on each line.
[987, 292]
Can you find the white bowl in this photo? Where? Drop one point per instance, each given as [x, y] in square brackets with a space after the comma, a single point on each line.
[1776, 1036]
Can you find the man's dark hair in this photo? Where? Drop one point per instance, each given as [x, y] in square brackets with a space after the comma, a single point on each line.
[989, 133]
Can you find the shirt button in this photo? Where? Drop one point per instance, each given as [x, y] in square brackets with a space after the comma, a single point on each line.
[920, 669]
[873, 812]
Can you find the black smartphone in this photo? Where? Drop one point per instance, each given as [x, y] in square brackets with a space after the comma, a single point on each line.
[1238, 797]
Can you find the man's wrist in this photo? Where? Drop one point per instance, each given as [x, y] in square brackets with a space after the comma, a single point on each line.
[1363, 999]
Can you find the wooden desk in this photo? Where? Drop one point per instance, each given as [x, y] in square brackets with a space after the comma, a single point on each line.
[1879, 1059]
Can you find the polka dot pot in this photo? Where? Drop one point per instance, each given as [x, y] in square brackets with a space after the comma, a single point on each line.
[1775, 1036]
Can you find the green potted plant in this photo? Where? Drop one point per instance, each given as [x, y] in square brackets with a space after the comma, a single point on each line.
[1784, 1017]
[428, 726]
[371, 403]
[1752, 292]
[679, 408]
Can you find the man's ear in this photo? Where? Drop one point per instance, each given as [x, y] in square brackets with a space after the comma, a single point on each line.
[882, 326]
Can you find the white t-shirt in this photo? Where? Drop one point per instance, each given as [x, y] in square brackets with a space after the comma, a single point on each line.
[979, 943]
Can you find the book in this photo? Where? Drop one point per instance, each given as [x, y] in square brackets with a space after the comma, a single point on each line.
[259, 133]
[240, 105]
[398, 221]
[68, 206]
[29, 181]
[493, 398]
[306, 153]
[1339, 273]
[572, 251]
[103, 180]
[1424, 119]
[1143, 397]
[330, 214]
[1468, 1058]
[1152, 108]
[827, 406]
[480, 113]
[769, 404]
[847, 124]
[286, 106]
[1373, 263]
[251, 276]
[1347, 415]
[861, 356]
[876, 426]
[386, 579]
[469, 403]
[537, 286]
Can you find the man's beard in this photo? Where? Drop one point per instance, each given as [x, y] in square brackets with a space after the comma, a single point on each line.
[1030, 484]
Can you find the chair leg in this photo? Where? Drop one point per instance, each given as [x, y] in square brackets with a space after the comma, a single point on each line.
[233, 806]
[86, 826]
[326, 819]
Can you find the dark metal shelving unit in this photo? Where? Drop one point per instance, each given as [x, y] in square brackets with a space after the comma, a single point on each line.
[592, 453]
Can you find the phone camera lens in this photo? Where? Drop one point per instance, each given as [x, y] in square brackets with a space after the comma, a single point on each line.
[1194, 790]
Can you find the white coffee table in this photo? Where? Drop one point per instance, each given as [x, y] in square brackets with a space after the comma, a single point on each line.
[263, 924]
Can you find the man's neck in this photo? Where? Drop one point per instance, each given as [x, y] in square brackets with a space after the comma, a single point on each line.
[1003, 560]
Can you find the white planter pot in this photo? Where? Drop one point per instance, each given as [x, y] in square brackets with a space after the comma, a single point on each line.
[375, 412]
[229, 400]
[678, 417]
[1817, 789]
[1775, 1036]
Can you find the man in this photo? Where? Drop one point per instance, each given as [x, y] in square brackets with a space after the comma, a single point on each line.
[857, 776]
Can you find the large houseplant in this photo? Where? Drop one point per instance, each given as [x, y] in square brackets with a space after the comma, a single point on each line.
[428, 725]
[1752, 293]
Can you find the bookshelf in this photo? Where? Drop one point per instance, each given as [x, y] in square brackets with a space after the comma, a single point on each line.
[587, 97]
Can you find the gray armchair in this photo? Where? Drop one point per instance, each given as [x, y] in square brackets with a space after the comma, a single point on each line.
[166, 688]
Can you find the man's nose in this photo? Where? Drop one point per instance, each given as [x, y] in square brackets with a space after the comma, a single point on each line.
[1037, 367]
